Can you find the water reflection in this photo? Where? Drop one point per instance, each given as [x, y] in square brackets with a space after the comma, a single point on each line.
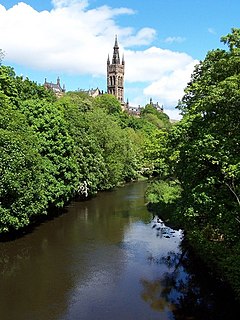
[186, 288]
[153, 293]
[104, 259]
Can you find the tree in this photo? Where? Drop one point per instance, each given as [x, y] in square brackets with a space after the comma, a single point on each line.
[78, 99]
[56, 147]
[8, 83]
[28, 89]
[154, 152]
[211, 125]
[232, 39]
[22, 189]
[108, 102]
[19, 89]
[113, 144]
[90, 161]
[206, 158]
[53, 150]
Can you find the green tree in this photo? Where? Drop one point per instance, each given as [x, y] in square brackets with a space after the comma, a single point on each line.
[8, 83]
[22, 190]
[53, 149]
[56, 147]
[19, 89]
[90, 161]
[107, 154]
[28, 89]
[154, 152]
[81, 100]
[108, 102]
[160, 119]
[206, 158]
[110, 138]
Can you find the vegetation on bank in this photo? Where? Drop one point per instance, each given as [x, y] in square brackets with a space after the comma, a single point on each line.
[201, 191]
[53, 150]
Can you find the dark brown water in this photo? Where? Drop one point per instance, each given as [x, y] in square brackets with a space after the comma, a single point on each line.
[103, 259]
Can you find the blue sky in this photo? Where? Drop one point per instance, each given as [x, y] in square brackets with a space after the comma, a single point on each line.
[161, 41]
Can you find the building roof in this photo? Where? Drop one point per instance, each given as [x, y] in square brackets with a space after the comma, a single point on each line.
[92, 92]
[56, 87]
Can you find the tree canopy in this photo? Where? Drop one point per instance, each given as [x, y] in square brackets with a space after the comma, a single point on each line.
[203, 153]
[53, 150]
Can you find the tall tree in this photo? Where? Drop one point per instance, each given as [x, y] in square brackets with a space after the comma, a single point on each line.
[22, 190]
[206, 156]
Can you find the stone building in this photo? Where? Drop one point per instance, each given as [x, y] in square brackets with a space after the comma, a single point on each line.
[133, 110]
[115, 75]
[92, 92]
[156, 106]
[55, 87]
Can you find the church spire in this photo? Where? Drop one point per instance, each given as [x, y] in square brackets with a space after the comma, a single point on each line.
[116, 58]
[116, 42]
[115, 75]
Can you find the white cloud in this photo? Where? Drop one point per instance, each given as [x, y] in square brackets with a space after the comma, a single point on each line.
[174, 114]
[69, 3]
[170, 87]
[74, 39]
[68, 38]
[174, 39]
[142, 37]
[154, 63]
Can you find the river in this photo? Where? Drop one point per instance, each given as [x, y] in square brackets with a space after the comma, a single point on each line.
[106, 258]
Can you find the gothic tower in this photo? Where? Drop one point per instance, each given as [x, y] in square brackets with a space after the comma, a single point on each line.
[115, 74]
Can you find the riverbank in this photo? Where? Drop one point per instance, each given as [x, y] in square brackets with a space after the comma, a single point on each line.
[211, 256]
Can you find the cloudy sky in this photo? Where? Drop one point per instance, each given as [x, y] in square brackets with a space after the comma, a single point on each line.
[161, 41]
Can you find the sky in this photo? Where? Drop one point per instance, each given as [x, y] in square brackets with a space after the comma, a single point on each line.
[161, 40]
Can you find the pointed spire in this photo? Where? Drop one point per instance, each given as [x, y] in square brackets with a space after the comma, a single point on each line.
[116, 59]
[108, 60]
[116, 42]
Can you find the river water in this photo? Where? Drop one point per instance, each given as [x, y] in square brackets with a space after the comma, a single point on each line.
[106, 258]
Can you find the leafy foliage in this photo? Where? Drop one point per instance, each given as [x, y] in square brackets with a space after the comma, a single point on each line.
[55, 149]
[163, 191]
[22, 191]
[114, 144]
[204, 155]
[108, 102]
